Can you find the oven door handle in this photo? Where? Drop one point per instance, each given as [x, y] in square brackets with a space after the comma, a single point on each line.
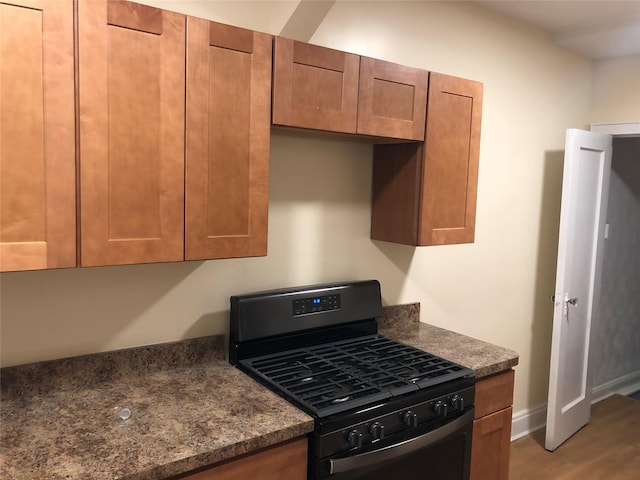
[340, 465]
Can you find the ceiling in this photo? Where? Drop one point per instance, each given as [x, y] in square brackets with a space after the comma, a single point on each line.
[598, 29]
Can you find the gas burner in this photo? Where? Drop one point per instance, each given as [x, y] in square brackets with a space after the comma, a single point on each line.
[301, 373]
[355, 369]
[341, 399]
[410, 373]
[335, 393]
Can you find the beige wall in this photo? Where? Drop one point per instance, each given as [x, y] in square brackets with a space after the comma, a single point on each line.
[495, 289]
[616, 90]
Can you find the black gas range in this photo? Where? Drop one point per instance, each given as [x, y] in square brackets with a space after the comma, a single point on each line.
[380, 407]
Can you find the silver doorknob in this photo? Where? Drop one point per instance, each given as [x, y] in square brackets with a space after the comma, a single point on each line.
[572, 301]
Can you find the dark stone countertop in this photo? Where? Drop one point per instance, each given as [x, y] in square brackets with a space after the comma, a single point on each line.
[402, 323]
[189, 407]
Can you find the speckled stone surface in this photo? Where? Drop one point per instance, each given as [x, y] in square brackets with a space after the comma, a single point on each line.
[402, 323]
[189, 409]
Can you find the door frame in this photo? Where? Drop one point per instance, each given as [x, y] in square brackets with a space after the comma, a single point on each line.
[616, 130]
[620, 130]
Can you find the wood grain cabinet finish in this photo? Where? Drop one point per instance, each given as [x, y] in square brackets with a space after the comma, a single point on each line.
[286, 461]
[392, 100]
[425, 194]
[228, 134]
[491, 445]
[451, 157]
[324, 89]
[37, 135]
[314, 87]
[131, 74]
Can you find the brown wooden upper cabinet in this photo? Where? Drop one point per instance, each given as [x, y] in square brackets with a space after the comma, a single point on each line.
[425, 194]
[37, 135]
[324, 89]
[392, 100]
[228, 135]
[131, 102]
[137, 203]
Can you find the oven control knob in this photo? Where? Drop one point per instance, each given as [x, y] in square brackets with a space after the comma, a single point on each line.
[377, 431]
[457, 402]
[441, 408]
[354, 437]
[411, 419]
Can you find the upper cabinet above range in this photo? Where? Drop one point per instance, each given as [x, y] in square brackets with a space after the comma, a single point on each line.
[324, 89]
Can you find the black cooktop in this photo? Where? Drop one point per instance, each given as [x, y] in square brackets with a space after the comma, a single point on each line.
[342, 375]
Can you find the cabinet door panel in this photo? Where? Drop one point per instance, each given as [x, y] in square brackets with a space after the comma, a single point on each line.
[228, 133]
[286, 461]
[452, 149]
[392, 100]
[491, 446]
[314, 87]
[37, 136]
[131, 101]
[494, 393]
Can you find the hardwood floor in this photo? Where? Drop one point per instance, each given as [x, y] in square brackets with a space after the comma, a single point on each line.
[608, 448]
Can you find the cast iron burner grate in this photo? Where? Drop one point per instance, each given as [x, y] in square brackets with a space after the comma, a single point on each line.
[341, 375]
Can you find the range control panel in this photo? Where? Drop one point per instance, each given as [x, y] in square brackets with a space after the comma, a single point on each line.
[302, 306]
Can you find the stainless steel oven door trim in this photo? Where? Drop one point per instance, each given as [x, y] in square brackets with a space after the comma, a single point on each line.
[340, 465]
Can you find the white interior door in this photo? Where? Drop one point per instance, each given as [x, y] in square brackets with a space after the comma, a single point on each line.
[585, 186]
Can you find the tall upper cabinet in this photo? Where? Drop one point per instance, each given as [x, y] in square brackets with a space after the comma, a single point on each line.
[425, 194]
[155, 140]
[228, 136]
[131, 115]
[37, 135]
[138, 102]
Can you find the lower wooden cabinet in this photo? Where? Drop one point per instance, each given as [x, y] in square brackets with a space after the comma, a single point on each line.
[491, 444]
[288, 460]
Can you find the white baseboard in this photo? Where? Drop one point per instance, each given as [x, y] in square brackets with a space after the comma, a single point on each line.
[526, 421]
[624, 386]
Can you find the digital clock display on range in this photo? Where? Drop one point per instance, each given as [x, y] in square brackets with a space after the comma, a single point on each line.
[303, 306]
